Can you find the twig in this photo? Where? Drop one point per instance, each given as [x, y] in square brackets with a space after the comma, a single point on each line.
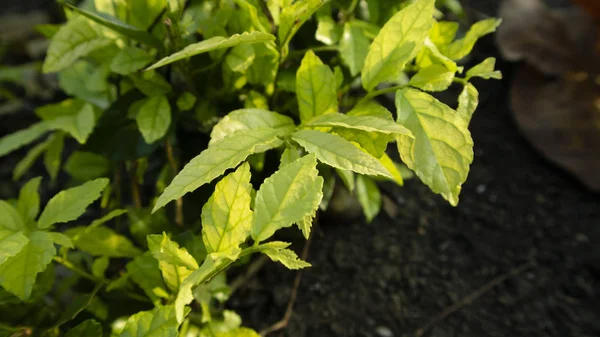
[77, 270]
[252, 270]
[470, 298]
[135, 187]
[283, 323]
[173, 163]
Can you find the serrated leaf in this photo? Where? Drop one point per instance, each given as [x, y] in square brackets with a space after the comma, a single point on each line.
[287, 197]
[290, 154]
[18, 272]
[144, 271]
[21, 138]
[461, 48]
[85, 166]
[337, 152]
[53, 154]
[129, 60]
[354, 47]
[214, 43]
[292, 18]
[397, 43]
[368, 196]
[87, 328]
[440, 159]
[285, 256]
[485, 70]
[363, 123]
[216, 159]
[435, 77]
[164, 249]
[75, 117]
[119, 27]
[226, 216]
[250, 119]
[159, 322]
[213, 264]
[70, 204]
[468, 101]
[77, 38]
[10, 218]
[102, 241]
[315, 88]
[153, 118]
[11, 243]
[29, 159]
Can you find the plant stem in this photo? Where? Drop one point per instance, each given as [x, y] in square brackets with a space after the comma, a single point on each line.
[77, 270]
[379, 92]
[173, 163]
[135, 187]
[298, 53]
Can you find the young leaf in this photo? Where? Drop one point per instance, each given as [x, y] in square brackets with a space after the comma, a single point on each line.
[287, 197]
[277, 252]
[28, 204]
[214, 43]
[102, 241]
[129, 60]
[77, 38]
[485, 70]
[337, 152]
[85, 166]
[30, 158]
[250, 119]
[11, 243]
[468, 101]
[397, 43]
[435, 77]
[159, 322]
[368, 196]
[292, 18]
[154, 118]
[226, 216]
[363, 123]
[87, 328]
[99, 266]
[443, 32]
[440, 159]
[10, 218]
[75, 117]
[53, 154]
[119, 27]
[70, 204]
[164, 249]
[21, 138]
[186, 101]
[354, 47]
[216, 159]
[17, 273]
[461, 48]
[315, 88]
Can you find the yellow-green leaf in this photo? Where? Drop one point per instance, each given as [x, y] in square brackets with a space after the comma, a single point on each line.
[485, 70]
[292, 18]
[250, 119]
[164, 249]
[277, 252]
[159, 322]
[368, 196]
[468, 101]
[462, 47]
[435, 77]
[315, 88]
[354, 47]
[21, 138]
[10, 219]
[28, 203]
[102, 241]
[129, 60]
[363, 123]
[73, 116]
[154, 118]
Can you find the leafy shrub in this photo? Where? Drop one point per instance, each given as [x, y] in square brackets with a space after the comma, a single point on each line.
[239, 85]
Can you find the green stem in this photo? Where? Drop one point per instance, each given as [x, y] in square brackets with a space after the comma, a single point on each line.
[77, 270]
[298, 53]
[352, 7]
[379, 92]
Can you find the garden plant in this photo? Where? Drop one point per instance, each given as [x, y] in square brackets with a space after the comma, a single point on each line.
[194, 131]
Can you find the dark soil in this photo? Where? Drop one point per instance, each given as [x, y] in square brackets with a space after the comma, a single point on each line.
[392, 277]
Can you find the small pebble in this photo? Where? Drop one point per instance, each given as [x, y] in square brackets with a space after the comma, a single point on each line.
[480, 189]
[384, 331]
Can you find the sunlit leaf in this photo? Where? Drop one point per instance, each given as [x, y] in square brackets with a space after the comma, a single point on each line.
[368, 196]
[250, 119]
[164, 249]
[277, 252]
[315, 88]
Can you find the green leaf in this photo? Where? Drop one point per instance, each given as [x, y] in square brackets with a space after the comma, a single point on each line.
[397, 43]
[290, 154]
[129, 60]
[75, 117]
[277, 252]
[440, 159]
[144, 271]
[435, 77]
[102, 241]
[11, 243]
[53, 154]
[28, 204]
[315, 88]
[468, 101]
[337, 152]
[354, 47]
[30, 158]
[70, 204]
[61, 239]
[77, 38]
[216, 159]
[368, 196]
[347, 177]
[363, 123]
[461, 48]
[251, 119]
[186, 101]
[154, 118]
[159, 322]
[226, 216]
[163, 249]
[443, 32]
[10, 218]
[253, 15]
[119, 27]
[240, 58]
[287, 197]
[85, 166]
[99, 266]
[17, 273]
[87, 328]
[151, 83]
[485, 70]
[263, 70]
[292, 18]
[387, 162]
[239, 332]
[214, 264]
[18, 139]
[214, 43]
[328, 31]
